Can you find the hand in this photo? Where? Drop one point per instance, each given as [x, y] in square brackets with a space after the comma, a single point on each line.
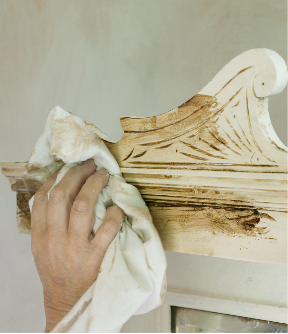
[66, 255]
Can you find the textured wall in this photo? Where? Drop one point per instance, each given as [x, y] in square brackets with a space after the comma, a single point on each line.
[102, 60]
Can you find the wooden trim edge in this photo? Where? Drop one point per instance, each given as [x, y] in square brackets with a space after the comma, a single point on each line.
[231, 307]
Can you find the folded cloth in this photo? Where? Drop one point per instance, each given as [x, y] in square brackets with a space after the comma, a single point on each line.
[132, 278]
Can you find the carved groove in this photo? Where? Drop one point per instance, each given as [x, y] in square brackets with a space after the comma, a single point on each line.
[165, 146]
[129, 155]
[193, 156]
[236, 75]
[213, 115]
[139, 155]
[222, 141]
[235, 105]
[236, 134]
[212, 146]
[201, 151]
[233, 141]
[244, 134]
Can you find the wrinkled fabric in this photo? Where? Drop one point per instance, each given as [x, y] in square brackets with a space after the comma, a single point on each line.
[132, 277]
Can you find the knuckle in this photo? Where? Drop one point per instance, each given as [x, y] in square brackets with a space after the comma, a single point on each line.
[80, 170]
[57, 195]
[81, 207]
[76, 170]
[40, 196]
[110, 227]
[53, 176]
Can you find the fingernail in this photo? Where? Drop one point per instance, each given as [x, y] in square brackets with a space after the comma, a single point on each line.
[89, 162]
[103, 171]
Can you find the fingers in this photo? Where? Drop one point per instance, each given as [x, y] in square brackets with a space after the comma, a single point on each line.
[82, 214]
[107, 231]
[39, 208]
[63, 195]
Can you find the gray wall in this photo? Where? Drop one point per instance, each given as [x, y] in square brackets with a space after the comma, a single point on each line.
[102, 60]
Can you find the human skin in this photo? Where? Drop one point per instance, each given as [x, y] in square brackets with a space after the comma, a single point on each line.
[66, 255]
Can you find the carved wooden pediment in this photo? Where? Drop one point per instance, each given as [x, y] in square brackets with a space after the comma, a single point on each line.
[212, 171]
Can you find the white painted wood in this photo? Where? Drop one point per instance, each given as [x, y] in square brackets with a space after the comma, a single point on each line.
[159, 320]
[245, 281]
[232, 307]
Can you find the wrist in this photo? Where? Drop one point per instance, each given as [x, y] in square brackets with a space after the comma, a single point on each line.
[53, 317]
[54, 314]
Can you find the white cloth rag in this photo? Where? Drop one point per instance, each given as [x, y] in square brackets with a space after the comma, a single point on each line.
[132, 278]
